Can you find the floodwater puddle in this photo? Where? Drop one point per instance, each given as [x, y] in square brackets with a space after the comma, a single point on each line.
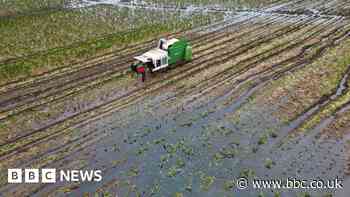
[195, 151]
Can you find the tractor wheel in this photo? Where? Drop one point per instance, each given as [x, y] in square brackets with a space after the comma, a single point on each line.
[150, 67]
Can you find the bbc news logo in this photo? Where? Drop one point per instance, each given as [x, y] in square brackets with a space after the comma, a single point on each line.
[52, 176]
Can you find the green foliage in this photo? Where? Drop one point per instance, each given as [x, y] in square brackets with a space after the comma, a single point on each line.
[247, 173]
[107, 194]
[173, 171]
[263, 140]
[269, 163]
[228, 185]
[15, 7]
[218, 156]
[261, 194]
[304, 194]
[328, 195]
[277, 194]
[206, 182]
[227, 3]
[155, 189]
[178, 194]
[58, 38]
[11, 70]
[180, 163]
[134, 171]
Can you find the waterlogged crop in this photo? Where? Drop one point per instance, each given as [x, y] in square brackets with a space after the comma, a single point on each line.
[39, 42]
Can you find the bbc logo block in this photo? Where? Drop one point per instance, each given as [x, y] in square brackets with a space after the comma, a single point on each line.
[31, 176]
[48, 175]
[14, 175]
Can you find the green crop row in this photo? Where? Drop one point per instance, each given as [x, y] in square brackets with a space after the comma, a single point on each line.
[60, 56]
[23, 35]
[14, 7]
[226, 3]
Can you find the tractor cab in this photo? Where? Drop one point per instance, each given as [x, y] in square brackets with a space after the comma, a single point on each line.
[166, 44]
[167, 52]
[154, 59]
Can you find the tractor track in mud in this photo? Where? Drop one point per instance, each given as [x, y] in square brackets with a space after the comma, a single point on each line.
[293, 68]
[290, 59]
[300, 63]
[109, 56]
[52, 136]
[328, 9]
[262, 39]
[211, 79]
[60, 143]
[24, 82]
[51, 97]
[11, 104]
[218, 76]
[271, 77]
[255, 87]
[106, 57]
[301, 53]
[314, 109]
[101, 37]
[341, 89]
[17, 104]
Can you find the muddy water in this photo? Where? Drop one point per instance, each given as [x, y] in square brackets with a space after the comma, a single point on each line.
[197, 150]
[188, 6]
[298, 7]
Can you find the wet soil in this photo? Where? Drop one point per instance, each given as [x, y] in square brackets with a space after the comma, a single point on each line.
[267, 96]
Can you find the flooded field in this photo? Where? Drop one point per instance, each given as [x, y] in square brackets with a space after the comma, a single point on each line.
[265, 96]
[36, 42]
